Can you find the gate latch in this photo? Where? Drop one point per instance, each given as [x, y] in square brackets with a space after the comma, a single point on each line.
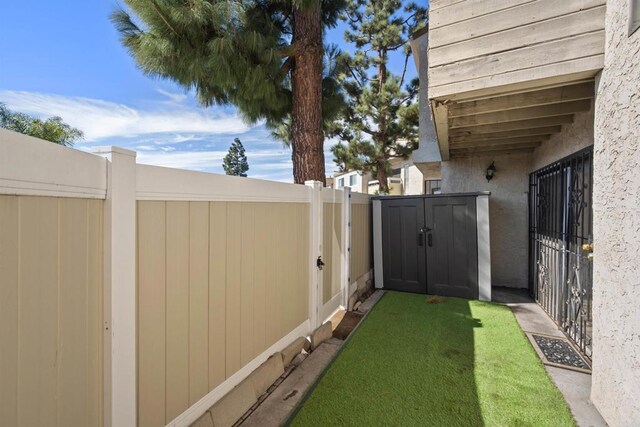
[319, 263]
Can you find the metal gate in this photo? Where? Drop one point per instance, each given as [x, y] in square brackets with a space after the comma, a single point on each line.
[560, 243]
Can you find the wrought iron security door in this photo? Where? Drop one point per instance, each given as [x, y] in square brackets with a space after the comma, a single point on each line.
[560, 243]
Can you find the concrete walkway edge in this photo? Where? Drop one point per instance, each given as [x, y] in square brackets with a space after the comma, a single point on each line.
[574, 386]
[282, 405]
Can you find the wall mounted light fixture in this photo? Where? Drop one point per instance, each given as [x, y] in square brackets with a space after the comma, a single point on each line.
[491, 170]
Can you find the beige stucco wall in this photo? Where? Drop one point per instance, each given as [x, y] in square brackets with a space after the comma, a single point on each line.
[218, 284]
[51, 335]
[573, 138]
[509, 192]
[414, 180]
[508, 208]
[616, 295]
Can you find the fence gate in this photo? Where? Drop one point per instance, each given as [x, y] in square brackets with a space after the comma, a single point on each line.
[560, 239]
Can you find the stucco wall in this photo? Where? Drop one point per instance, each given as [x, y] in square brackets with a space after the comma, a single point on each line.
[413, 180]
[574, 137]
[508, 209]
[509, 188]
[616, 294]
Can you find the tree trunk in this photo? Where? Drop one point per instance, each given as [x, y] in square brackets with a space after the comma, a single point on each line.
[306, 114]
[381, 176]
[381, 137]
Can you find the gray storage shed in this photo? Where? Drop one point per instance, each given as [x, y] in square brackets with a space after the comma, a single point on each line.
[433, 244]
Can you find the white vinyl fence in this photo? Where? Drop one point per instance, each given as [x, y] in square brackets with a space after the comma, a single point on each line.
[140, 295]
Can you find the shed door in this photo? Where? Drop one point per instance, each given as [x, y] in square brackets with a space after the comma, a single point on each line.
[404, 245]
[452, 246]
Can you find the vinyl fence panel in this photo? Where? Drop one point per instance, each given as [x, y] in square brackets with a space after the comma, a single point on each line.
[50, 311]
[218, 284]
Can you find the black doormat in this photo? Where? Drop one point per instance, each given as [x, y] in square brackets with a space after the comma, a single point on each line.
[555, 351]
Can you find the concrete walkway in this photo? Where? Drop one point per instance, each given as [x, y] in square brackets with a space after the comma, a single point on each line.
[575, 386]
[276, 408]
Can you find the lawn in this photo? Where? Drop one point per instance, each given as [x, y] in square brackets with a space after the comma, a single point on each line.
[452, 363]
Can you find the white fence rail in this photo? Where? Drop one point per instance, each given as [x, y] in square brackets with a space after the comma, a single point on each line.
[198, 279]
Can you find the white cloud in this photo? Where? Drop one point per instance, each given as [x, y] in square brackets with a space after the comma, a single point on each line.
[173, 97]
[103, 119]
[168, 133]
[265, 160]
[194, 160]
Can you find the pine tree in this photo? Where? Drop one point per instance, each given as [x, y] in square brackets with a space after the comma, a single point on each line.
[235, 162]
[263, 56]
[380, 121]
[53, 129]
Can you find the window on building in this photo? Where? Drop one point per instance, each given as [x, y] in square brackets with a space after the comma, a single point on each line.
[634, 16]
[340, 183]
[432, 186]
[352, 179]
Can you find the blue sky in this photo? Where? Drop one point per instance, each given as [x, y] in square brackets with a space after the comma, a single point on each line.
[64, 58]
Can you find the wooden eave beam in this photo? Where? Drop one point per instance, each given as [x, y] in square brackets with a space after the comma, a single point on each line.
[482, 149]
[498, 152]
[514, 125]
[510, 142]
[554, 95]
[491, 86]
[491, 153]
[548, 130]
[441, 120]
[528, 113]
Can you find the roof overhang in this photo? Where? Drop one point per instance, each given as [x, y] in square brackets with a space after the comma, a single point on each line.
[508, 120]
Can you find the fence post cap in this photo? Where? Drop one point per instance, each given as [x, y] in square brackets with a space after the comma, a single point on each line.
[108, 149]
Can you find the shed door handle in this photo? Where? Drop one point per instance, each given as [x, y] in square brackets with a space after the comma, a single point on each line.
[430, 239]
[420, 238]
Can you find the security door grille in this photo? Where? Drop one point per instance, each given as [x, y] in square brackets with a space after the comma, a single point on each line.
[560, 243]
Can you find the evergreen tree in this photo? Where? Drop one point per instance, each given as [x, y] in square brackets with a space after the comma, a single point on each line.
[380, 121]
[52, 129]
[235, 162]
[263, 56]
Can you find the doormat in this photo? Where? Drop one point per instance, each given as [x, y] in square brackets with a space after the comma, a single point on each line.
[559, 352]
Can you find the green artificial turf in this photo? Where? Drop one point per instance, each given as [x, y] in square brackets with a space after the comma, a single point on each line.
[451, 362]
